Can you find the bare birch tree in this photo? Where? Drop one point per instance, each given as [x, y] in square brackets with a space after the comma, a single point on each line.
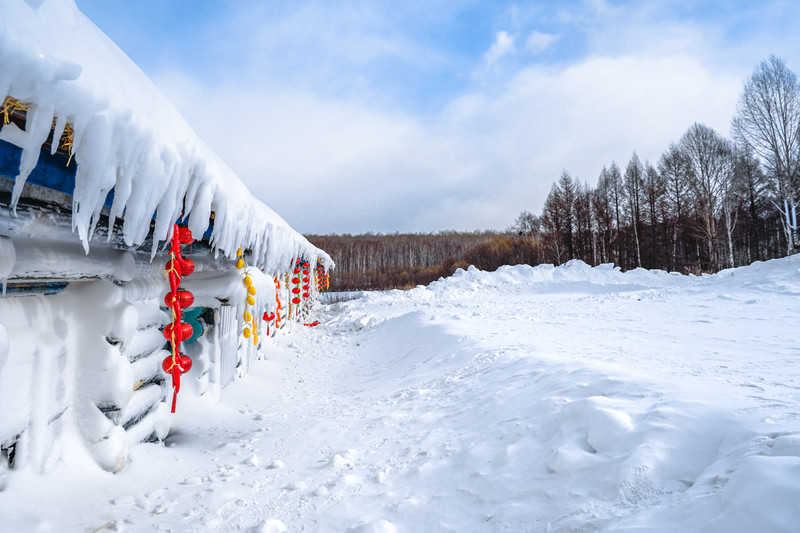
[711, 160]
[634, 180]
[767, 121]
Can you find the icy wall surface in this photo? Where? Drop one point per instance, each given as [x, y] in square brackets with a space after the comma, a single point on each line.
[127, 137]
[62, 365]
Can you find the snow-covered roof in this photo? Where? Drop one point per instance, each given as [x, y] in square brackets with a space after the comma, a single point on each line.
[128, 137]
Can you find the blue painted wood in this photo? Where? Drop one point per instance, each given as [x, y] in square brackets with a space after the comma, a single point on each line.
[51, 171]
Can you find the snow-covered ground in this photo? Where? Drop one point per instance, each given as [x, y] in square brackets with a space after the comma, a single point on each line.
[529, 399]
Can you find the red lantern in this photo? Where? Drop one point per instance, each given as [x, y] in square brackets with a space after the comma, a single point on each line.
[178, 333]
[185, 236]
[182, 331]
[185, 363]
[296, 270]
[185, 299]
[296, 290]
[295, 280]
[305, 295]
[268, 316]
[180, 267]
[295, 300]
[182, 362]
[187, 267]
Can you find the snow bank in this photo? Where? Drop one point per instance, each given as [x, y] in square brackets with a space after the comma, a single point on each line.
[127, 137]
[578, 278]
[573, 276]
[668, 408]
[61, 369]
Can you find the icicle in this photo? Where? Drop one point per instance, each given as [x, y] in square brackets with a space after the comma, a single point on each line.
[39, 120]
[8, 257]
[58, 131]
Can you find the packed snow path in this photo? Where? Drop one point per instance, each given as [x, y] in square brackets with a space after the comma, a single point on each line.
[530, 399]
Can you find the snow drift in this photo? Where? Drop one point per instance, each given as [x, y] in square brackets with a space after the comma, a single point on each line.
[556, 399]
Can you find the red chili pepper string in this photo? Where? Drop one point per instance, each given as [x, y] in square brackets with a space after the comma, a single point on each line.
[173, 364]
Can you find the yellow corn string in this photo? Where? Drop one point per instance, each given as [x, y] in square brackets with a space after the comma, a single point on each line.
[67, 138]
[11, 104]
[248, 283]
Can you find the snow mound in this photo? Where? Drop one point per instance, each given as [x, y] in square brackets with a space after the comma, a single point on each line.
[572, 277]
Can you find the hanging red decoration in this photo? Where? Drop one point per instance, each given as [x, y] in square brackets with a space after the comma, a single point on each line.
[176, 300]
[184, 298]
[185, 235]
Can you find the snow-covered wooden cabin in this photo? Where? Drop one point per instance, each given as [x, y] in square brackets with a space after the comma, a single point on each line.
[96, 167]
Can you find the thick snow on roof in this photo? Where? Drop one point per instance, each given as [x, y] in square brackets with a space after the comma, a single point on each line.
[128, 137]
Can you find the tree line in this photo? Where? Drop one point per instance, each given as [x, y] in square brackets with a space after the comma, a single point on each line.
[708, 203]
[398, 261]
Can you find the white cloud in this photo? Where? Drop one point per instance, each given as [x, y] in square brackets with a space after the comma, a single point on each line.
[340, 166]
[538, 42]
[345, 161]
[503, 44]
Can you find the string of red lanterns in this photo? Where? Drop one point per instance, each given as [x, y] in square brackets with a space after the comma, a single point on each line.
[306, 279]
[296, 282]
[321, 277]
[177, 300]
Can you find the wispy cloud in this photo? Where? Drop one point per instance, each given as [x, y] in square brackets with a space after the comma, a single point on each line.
[539, 42]
[503, 44]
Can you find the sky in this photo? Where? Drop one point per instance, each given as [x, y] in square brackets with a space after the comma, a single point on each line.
[430, 115]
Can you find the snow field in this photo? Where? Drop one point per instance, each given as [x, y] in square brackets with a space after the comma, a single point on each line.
[530, 399]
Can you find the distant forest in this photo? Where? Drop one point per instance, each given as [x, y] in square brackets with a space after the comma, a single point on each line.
[403, 260]
[707, 204]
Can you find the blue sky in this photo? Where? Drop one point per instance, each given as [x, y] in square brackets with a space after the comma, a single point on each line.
[429, 115]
